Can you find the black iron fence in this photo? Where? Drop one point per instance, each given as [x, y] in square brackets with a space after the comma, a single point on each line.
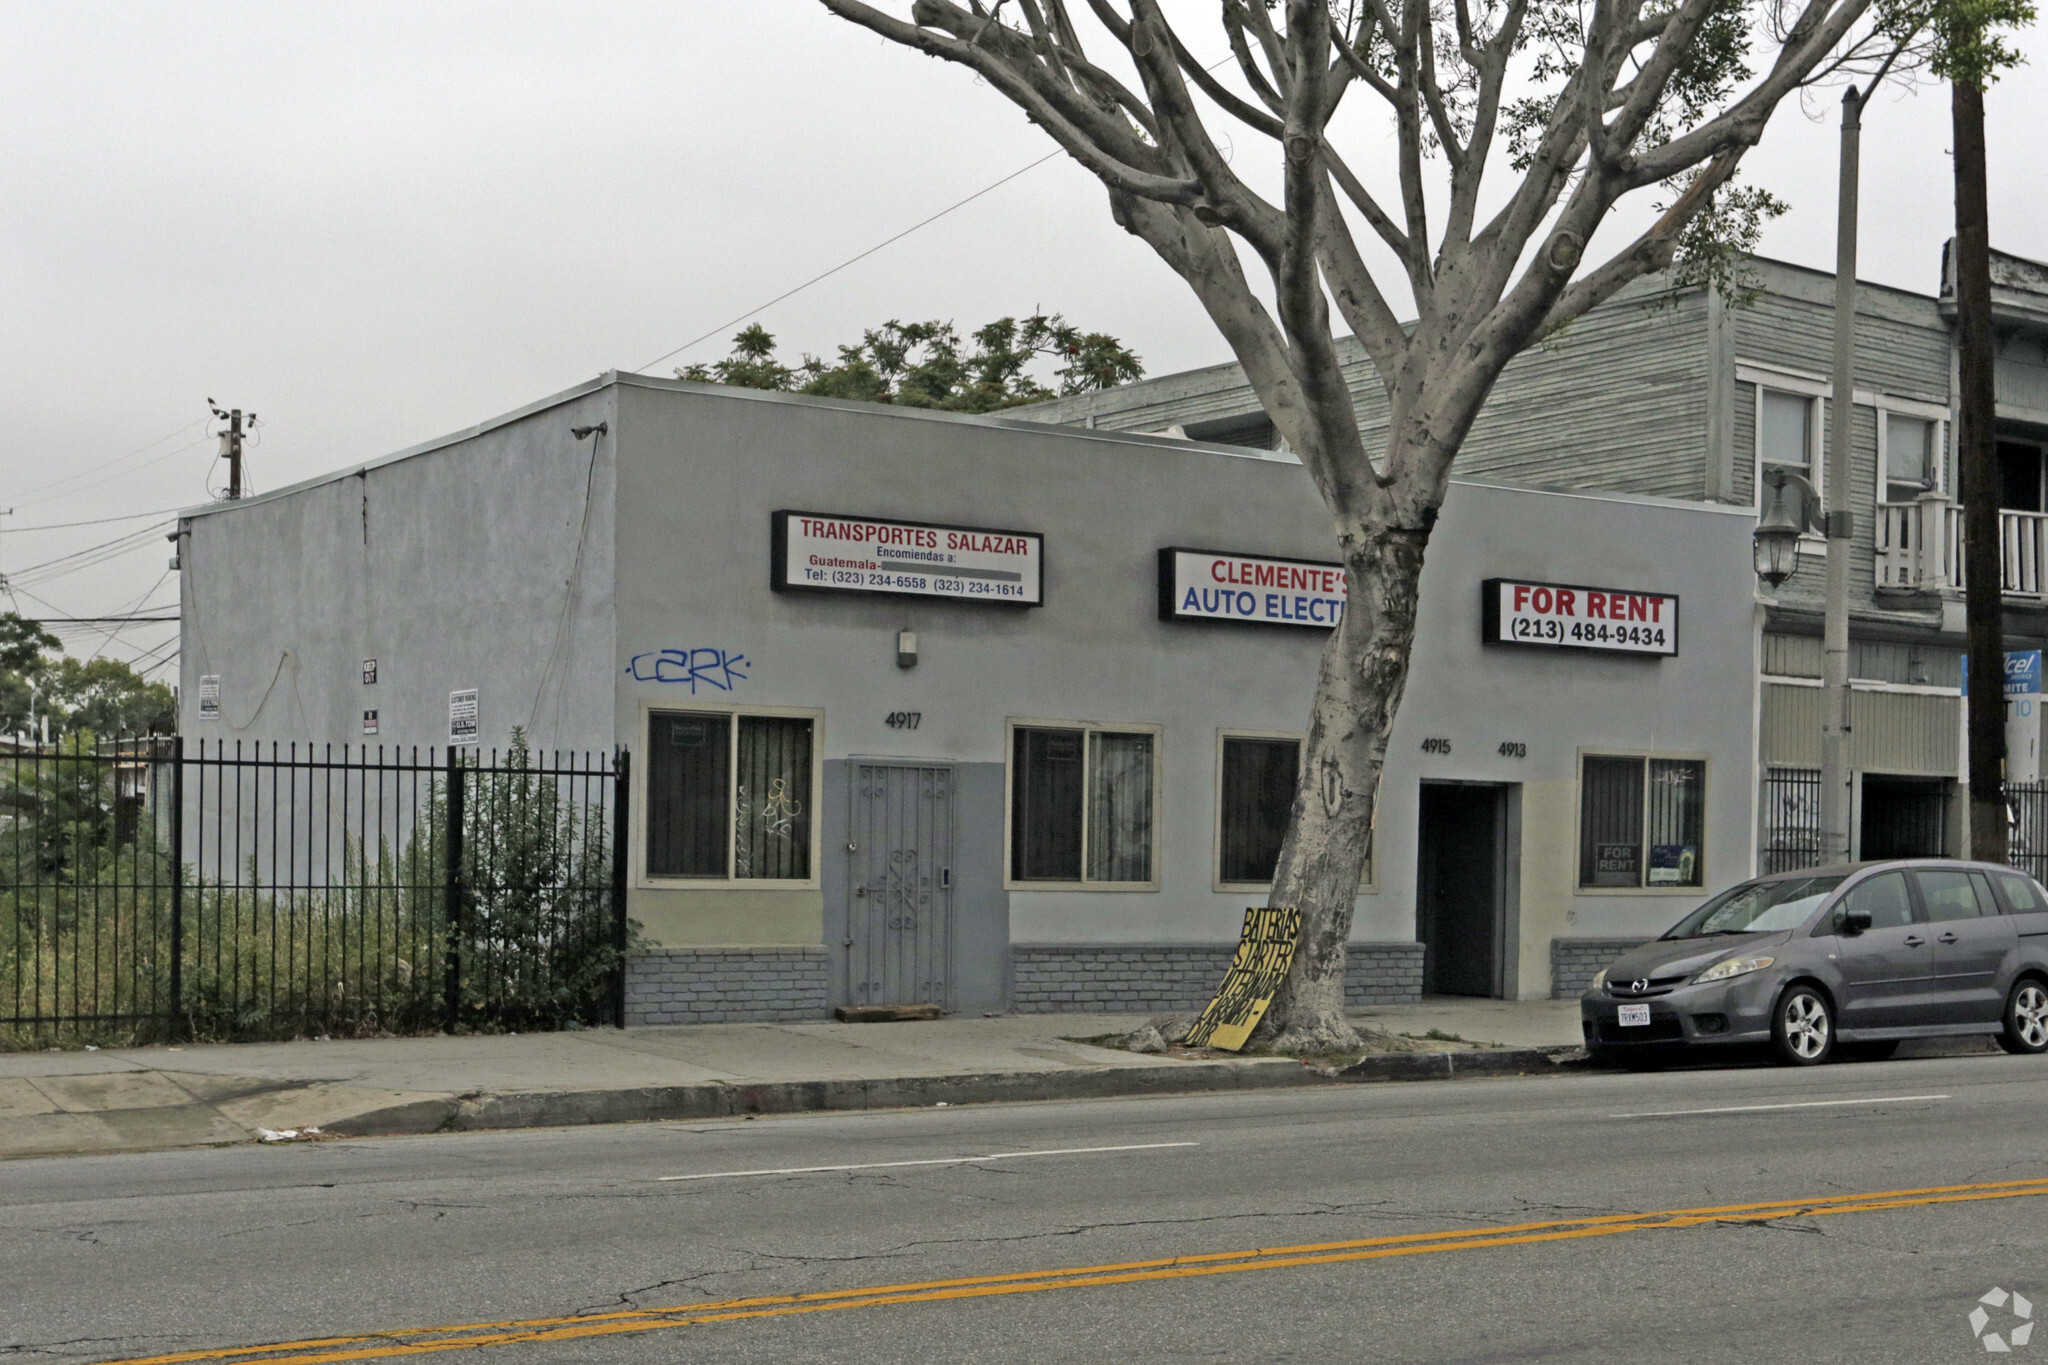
[1791, 820]
[2026, 815]
[165, 888]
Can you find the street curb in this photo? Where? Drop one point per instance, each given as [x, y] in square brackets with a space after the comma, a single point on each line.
[1446, 1066]
[718, 1099]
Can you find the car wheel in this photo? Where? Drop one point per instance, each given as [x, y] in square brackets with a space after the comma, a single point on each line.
[1803, 1027]
[2026, 1018]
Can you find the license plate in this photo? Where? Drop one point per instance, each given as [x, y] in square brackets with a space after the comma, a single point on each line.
[1635, 1016]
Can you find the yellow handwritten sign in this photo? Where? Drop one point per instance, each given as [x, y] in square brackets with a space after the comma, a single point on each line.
[1265, 950]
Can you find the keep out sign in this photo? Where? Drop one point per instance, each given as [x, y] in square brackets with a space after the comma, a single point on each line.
[1574, 616]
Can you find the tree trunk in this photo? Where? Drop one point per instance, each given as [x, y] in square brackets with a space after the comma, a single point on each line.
[1364, 670]
[1976, 454]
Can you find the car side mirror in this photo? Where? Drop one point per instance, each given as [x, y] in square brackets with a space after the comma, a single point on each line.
[1853, 921]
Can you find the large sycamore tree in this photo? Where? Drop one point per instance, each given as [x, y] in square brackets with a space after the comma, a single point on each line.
[1506, 133]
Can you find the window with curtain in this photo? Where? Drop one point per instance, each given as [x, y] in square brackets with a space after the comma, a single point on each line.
[1119, 807]
[1911, 460]
[1081, 805]
[1641, 821]
[1785, 431]
[1259, 776]
[729, 796]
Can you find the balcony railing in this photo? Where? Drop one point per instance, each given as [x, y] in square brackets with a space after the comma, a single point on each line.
[1920, 548]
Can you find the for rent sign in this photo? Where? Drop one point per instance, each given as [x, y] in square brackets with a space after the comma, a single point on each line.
[831, 553]
[1211, 585]
[1570, 616]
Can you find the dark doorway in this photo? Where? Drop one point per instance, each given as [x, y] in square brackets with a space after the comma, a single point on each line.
[2019, 476]
[1460, 901]
[1904, 817]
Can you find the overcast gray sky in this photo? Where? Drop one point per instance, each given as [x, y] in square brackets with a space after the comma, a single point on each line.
[373, 223]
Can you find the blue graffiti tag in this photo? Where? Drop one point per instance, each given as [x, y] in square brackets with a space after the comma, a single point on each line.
[689, 667]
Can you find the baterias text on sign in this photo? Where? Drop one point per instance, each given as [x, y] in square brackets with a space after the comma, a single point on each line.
[1265, 950]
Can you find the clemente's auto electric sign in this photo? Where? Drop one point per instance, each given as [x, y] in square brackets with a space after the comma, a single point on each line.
[1212, 585]
[831, 553]
[1569, 616]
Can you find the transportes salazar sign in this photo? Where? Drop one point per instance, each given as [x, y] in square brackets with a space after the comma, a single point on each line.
[1215, 585]
[826, 552]
[1571, 616]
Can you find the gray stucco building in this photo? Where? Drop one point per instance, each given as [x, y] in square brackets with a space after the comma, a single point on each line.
[998, 714]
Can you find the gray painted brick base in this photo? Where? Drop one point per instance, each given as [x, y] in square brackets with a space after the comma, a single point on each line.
[1142, 977]
[1575, 961]
[726, 985]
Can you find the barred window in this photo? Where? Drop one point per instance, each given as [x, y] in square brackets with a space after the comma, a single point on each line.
[729, 796]
[1641, 821]
[1081, 805]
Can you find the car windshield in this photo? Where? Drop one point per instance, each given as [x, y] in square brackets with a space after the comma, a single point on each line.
[1757, 907]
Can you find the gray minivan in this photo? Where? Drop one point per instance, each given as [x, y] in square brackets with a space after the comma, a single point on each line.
[1849, 958]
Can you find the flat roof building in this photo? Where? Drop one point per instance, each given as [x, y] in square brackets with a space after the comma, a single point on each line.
[996, 714]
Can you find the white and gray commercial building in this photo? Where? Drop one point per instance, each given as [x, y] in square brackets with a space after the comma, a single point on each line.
[999, 714]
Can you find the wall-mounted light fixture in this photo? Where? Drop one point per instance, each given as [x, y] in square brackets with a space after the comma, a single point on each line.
[580, 432]
[906, 649]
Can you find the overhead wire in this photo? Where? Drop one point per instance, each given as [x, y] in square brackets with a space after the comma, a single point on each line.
[96, 521]
[132, 607]
[889, 241]
[853, 260]
[60, 566]
[30, 493]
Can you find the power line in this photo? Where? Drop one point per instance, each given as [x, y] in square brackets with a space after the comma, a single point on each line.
[104, 464]
[851, 260]
[91, 554]
[99, 620]
[96, 521]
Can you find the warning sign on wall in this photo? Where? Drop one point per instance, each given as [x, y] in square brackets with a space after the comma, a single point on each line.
[462, 717]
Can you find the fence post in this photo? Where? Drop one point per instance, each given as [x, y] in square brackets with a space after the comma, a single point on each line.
[178, 880]
[453, 907]
[622, 829]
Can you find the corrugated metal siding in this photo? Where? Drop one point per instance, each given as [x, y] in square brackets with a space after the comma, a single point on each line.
[1889, 732]
[1799, 656]
[1792, 656]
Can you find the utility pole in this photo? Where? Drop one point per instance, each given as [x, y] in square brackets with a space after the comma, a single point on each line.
[1976, 411]
[1835, 803]
[231, 445]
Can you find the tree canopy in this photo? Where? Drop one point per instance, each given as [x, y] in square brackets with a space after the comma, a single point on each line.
[102, 695]
[926, 365]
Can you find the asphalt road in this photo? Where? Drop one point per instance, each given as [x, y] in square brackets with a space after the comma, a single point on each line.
[1463, 1221]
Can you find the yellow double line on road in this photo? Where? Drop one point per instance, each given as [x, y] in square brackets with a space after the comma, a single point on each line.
[479, 1335]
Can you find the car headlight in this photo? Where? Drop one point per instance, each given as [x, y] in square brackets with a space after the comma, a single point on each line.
[1734, 966]
[1600, 978]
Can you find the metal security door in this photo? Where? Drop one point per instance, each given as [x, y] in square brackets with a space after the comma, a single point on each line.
[899, 913]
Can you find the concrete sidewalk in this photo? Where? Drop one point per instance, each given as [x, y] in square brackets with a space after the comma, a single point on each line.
[69, 1102]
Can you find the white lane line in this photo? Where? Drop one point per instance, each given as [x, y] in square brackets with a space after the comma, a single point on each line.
[1758, 1108]
[932, 1161]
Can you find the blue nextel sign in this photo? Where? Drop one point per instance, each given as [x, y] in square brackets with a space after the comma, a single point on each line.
[2022, 673]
